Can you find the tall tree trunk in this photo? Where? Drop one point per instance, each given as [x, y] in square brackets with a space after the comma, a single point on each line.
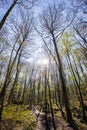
[45, 94]
[74, 77]
[30, 92]
[7, 14]
[77, 87]
[24, 89]
[33, 93]
[16, 78]
[52, 113]
[39, 83]
[6, 83]
[80, 93]
[82, 70]
[64, 91]
[7, 80]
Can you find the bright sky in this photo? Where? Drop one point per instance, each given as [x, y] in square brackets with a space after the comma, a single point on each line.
[38, 54]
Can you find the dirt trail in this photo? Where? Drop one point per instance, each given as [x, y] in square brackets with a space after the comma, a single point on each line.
[43, 124]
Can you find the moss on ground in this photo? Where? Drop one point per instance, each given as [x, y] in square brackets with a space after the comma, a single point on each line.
[16, 117]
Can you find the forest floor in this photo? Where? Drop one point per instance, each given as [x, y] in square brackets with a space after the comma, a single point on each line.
[43, 124]
[17, 117]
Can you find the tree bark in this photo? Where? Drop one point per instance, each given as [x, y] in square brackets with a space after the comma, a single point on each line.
[69, 118]
[16, 78]
[7, 14]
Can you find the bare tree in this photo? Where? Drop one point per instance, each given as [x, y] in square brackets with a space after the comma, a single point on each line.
[27, 4]
[74, 70]
[52, 27]
[22, 35]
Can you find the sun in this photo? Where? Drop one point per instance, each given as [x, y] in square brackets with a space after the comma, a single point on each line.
[43, 62]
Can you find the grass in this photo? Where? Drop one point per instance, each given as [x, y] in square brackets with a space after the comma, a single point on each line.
[16, 117]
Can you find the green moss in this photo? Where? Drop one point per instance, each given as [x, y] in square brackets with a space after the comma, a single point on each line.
[19, 116]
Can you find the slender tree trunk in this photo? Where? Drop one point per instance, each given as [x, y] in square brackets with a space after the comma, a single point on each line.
[80, 93]
[82, 70]
[24, 89]
[39, 83]
[52, 113]
[16, 78]
[45, 96]
[7, 79]
[7, 14]
[58, 103]
[19, 94]
[33, 93]
[77, 87]
[30, 96]
[74, 77]
[64, 91]
[6, 83]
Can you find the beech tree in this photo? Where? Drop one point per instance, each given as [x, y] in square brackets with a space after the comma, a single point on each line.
[26, 4]
[51, 25]
[68, 45]
[22, 35]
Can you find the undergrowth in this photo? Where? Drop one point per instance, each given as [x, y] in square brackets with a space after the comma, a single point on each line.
[16, 117]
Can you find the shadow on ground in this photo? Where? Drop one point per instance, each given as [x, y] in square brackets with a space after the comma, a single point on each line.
[44, 122]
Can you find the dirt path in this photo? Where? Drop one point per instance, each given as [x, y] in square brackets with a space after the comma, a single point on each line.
[46, 124]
